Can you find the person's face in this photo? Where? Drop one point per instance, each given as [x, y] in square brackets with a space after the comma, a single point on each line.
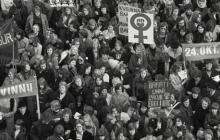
[132, 132]
[37, 12]
[78, 82]
[182, 32]
[92, 26]
[68, 11]
[189, 12]
[200, 29]
[104, 10]
[115, 112]
[186, 103]
[113, 121]
[98, 81]
[138, 50]
[27, 67]
[121, 136]
[204, 105]
[214, 111]
[85, 11]
[152, 46]
[101, 137]
[18, 36]
[181, 23]
[186, 2]
[35, 29]
[88, 70]
[73, 63]
[102, 70]
[49, 51]
[195, 95]
[117, 46]
[208, 137]
[176, 12]
[179, 122]
[43, 66]
[23, 109]
[110, 28]
[17, 127]
[163, 29]
[143, 74]
[104, 92]
[143, 109]
[149, 137]
[86, 121]
[119, 90]
[199, 18]
[208, 66]
[74, 51]
[79, 128]
[122, 70]
[10, 75]
[197, 79]
[62, 89]
[104, 57]
[98, 4]
[66, 117]
[155, 25]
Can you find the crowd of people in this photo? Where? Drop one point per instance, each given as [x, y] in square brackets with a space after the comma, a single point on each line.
[92, 83]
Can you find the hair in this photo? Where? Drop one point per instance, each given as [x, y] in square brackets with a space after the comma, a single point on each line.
[206, 99]
[67, 111]
[196, 90]
[79, 121]
[59, 130]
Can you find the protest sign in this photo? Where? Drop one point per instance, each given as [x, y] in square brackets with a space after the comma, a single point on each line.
[62, 3]
[123, 17]
[23, 89]
[200, 51]
[159, 94]
[140, 28]
[7, 47]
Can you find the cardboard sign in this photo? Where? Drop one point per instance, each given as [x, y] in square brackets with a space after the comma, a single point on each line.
[141, 28]
[159, 94]
[62, 3]
[23, 89]
[123, 17]
[200, 51]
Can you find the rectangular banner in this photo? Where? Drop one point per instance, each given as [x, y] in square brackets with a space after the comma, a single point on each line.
[159, 94]
[23, 89]
[7, 43]
[62, 3]
[123, 17]
[141, 28]
[200, 51]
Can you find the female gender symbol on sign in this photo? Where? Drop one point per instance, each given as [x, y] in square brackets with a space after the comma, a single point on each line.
[140, 25]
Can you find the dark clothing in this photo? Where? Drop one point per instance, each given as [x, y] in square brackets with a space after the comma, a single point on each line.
[199, 117]
[67, 102]
[48, 75]
[86, 136]
[186, 114]
[27, 118]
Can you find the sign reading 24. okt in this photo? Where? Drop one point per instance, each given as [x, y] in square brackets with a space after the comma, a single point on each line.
[140, 28]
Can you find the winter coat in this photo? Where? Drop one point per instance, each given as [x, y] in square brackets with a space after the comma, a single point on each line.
[30, 21]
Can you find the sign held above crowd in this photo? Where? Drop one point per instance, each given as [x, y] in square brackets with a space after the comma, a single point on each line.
[123, 10]
[141, 28]
[200, 51]
[62, 3]
[23, 89]
[159, 94]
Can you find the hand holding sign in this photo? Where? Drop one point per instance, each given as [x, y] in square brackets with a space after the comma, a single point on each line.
[216, 78]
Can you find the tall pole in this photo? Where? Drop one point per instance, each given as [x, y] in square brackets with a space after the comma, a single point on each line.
[13, 44]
